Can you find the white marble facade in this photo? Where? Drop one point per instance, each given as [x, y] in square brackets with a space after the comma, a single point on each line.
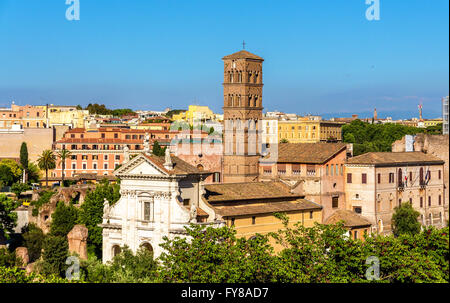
[156, 201]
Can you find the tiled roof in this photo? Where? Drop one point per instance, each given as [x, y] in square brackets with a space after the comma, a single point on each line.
[394, 158]
[247, 191]
[268, 207]
[243, 54]
[180, 167]
[313, 153]
[350, 219]
[99, 141]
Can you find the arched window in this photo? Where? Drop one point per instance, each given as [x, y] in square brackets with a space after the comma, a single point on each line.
[147, 246]
[400, 177]
[421, 175]
[231, 77]
[249, 100]
[380, 226]
[115, 250]
[200, 167]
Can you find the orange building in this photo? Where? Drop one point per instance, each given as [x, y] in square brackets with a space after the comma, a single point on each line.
[101, 151]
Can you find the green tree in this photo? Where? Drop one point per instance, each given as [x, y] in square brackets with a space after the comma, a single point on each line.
[404, 220]
[47, 161]
[34, 174]
[16, 170]
[18, 188]
[6, 176]
[54, 255]
[33, 239]
[64, 218]
[91, 213]
[158, 150]
[215, 255]
[8, 259]
[8, 217]
[63, 154]
[24, 157]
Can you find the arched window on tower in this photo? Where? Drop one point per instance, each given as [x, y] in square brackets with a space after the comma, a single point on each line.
[240, 77]
[230, 101]
[249, 101]
[249, 77]
[231, 77]
[256, 101]
[255, 79]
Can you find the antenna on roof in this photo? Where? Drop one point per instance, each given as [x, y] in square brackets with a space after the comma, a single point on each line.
[243, 44]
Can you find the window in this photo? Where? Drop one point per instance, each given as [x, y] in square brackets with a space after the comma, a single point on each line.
[327, 169]
[391, 177]
[72, 135]
[337, 170]
[73, 157]
[253, 220]
[94, 166]
[421, 201]
[105, 157]
[296, 169]
[281, 169]
[116, 136]
[103, 136]
[117, 157]
[332, 169]
[410, 201]
[74, 166]
[94, 157]
[232, 221]
[379, 178]
[84, 157]
[335, 202]
[267, 170]
[349, 178]
[429, 200]
[342, 169]
[84, 165]
[186, 202]
[364, 178]
[410, 178]
[310, 214]
[355, 234]
[440, 200]
[357, 209]
[439, 174]
[146, 211]
[105, 166]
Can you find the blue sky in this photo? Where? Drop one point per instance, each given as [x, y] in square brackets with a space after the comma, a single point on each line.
[320, 56]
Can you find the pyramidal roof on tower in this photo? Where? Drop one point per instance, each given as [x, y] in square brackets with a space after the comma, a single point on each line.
[243, 54]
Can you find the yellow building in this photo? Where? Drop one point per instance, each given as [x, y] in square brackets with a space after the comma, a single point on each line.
[307, 130]
[197, 113]
[250, 207]
[432, 122]
[66, 115]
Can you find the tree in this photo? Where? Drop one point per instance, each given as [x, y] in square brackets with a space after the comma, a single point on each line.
[34, 174]
[33, 238]
[215, 255]
[64, 219]
[158, 150]
[8, 217]
[56, 251]
[63, 155]
[91, 213]
[404, 220]
[6, 176]
[18, 188]
[24, 157]
[47, 161]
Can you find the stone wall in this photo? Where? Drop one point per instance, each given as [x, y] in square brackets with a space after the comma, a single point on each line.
[37, 139]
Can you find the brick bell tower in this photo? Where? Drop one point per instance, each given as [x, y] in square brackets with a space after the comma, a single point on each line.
[242, 92]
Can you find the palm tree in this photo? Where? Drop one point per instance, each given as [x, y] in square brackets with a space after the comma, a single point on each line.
[63, 154]
[47, 161]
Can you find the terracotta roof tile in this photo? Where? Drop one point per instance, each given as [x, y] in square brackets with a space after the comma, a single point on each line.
[247, 191]
[350, 219]
[243, 54]
[268, 207]
[313, 153]
[394, 158]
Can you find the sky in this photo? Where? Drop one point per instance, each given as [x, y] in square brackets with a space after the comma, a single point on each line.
[321, 57]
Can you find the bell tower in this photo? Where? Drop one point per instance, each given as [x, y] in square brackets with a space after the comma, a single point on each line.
[242, 92]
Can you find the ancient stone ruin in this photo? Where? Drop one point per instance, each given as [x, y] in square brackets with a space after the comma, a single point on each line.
[77, 239]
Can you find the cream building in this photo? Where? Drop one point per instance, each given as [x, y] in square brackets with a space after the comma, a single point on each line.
[197, 113]
[378, 182]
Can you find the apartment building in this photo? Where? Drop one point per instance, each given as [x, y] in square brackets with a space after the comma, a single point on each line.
[377, 182]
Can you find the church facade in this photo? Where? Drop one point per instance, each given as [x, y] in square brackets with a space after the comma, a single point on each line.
[159, 196]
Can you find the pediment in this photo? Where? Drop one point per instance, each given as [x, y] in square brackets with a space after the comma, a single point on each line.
[140, 165]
